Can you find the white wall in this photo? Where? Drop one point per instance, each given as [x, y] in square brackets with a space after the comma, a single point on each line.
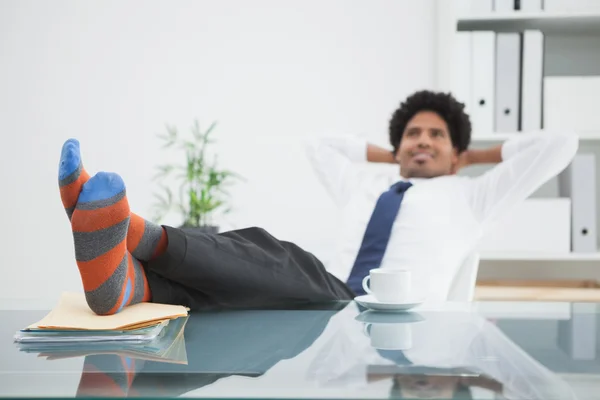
[112, 73]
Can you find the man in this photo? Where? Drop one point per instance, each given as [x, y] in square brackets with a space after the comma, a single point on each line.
[218, 345]
[440, 216]
[124, 259]
[446, 350]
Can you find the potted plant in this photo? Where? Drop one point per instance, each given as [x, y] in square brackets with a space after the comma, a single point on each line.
[201, 183]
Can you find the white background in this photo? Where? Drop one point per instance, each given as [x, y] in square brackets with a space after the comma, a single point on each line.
[113, 73]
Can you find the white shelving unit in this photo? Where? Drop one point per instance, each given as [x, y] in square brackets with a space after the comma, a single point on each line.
[571, 24]
[501, 137]
[548, 23]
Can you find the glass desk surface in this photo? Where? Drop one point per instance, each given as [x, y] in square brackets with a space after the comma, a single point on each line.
[450, 351]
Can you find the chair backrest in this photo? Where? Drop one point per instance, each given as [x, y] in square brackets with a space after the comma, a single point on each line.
[463, 285]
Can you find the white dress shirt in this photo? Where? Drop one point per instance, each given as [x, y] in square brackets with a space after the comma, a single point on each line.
[450, 336]
[441, 220]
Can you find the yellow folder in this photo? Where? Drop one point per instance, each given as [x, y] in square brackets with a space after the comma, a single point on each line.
[73, 313]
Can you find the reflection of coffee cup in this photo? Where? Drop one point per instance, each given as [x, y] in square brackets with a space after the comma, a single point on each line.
[388, 285]
[389, 336]
[389, 331]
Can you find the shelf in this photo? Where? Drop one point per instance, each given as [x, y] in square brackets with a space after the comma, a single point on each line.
[547, 22]
[501, 137]
[540, 257]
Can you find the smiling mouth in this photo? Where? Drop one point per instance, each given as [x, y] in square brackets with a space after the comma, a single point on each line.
[422, 157]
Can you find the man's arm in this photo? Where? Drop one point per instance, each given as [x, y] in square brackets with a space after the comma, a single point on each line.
[492, 155]
[378, 154]
[524, 164]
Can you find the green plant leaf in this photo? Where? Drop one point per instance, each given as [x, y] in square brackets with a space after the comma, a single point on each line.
[202, 185]
[160, 200]
[163, 171]
[172, 131]
[196, 131]
[210, 129]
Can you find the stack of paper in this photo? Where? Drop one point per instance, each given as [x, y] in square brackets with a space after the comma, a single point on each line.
[71, 329]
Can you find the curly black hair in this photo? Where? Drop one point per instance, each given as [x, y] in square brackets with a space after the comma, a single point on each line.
[443, 104]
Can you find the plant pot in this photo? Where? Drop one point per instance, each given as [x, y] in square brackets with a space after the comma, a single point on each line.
[210, 229]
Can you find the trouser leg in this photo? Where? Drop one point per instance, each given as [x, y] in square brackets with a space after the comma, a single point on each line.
[236, 269]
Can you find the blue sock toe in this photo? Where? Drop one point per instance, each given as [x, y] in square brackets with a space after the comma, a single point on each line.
[70, 158]
[102, 186]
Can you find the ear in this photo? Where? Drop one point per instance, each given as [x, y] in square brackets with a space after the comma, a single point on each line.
[455, 155]
[397, 155]
[455, 161]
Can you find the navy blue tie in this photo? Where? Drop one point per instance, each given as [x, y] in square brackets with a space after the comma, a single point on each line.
[396, 356]
[377, 235]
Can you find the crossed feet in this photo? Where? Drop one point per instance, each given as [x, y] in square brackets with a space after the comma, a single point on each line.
[110, 241]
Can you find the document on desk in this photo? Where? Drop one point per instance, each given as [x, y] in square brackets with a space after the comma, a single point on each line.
[73, 313]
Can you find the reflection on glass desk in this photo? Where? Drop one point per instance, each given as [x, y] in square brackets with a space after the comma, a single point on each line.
[449, 351]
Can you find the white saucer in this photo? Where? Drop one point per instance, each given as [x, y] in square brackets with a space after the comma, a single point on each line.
[378, 317]
[369, 301]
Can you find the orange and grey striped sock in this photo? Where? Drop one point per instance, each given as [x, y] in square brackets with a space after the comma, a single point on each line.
[107, 375]
[112, 278]
[71, 175]
[145, 240]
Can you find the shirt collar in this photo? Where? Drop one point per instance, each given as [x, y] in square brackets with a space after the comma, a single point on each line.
[414, 181]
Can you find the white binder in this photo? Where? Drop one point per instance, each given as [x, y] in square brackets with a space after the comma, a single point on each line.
[483, 66]
[578, 181]
[461, 70]
[508, 81]
[536, 225]
[532, 82]
[504, 6]
[531, 5]
[571, 103]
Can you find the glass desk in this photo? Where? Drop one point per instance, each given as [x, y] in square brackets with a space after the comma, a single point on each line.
[449, 351]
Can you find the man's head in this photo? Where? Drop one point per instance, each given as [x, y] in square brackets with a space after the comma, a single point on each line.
[429, 387]
[429, 131]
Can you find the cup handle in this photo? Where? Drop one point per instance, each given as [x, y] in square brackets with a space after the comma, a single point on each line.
[366, 330]
[364, 284]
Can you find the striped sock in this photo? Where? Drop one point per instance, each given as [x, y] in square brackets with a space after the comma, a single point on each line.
[71, 175]
[112, 278]
[107, 375]
[145, 240]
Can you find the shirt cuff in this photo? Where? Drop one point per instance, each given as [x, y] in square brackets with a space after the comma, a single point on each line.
[356, 149]
[510, 148]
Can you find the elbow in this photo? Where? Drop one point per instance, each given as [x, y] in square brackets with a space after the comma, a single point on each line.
[568, 138]
[563, 147]
[569, 144]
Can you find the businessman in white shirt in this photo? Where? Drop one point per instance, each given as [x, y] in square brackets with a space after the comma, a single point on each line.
[442, 215]
[444, 341]
[420, 216]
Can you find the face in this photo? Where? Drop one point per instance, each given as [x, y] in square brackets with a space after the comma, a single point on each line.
[427, 387]
[426, 149]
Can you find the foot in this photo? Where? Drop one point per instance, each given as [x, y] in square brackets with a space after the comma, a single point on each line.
[145, 240]
[71, 175]
[112, 278]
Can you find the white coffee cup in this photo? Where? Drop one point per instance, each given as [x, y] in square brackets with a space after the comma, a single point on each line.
[388, 285]
[390, 336]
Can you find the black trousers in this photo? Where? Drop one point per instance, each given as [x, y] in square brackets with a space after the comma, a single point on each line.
[246, 268]
[218, 345]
